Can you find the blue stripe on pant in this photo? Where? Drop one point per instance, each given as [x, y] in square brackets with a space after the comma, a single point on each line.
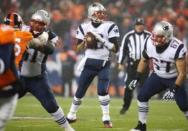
[92, 68]
[155, 84]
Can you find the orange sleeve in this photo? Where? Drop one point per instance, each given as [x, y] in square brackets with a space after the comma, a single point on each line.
[6, 34]
[24, 35]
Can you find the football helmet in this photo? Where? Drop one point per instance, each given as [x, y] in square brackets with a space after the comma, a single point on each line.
[96, 12]
[14, 20]
[162, 33]
[39, 21]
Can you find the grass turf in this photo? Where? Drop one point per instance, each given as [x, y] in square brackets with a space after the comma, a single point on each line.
[30, 116]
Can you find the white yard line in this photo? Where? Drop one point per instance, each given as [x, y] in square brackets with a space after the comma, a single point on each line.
[31, 118]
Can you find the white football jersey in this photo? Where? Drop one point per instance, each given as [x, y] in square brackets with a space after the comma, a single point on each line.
[107, 30]
[34, 60]
[164, 63]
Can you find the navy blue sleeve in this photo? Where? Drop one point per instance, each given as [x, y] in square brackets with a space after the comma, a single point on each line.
[51, 35]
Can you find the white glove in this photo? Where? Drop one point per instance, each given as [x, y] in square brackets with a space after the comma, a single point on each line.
[43, 38]
[106, 43]
[98, 37]
[169, 95]
[39, 41]
[132, 85]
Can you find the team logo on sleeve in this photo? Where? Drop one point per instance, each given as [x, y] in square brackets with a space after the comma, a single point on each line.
[116, 30]
[173, 45]
[77, 32]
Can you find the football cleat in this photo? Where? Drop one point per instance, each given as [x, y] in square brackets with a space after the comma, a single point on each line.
[71, 120]
[107, 124]
[123, 111]
[71, 117]
[139, 127]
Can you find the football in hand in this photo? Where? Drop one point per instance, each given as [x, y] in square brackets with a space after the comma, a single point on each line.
[91, 41]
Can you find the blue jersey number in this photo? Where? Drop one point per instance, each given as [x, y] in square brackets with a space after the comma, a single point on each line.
[166, 63]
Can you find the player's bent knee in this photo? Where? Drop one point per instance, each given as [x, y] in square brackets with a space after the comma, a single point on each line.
[142, 97]
[50, 106]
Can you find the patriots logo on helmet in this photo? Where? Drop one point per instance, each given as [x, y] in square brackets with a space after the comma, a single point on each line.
[166, 27]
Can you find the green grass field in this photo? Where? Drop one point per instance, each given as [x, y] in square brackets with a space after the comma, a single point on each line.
[30, 116]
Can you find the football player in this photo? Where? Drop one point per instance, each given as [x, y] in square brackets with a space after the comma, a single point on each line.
[97, 59]
[9, 79]
[168, 56]
[22, 36]
[33, 69]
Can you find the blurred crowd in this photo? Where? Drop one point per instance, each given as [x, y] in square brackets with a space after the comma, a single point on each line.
[68, 14]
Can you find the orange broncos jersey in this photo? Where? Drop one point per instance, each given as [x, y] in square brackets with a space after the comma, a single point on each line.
[22, 39]
[7, 75]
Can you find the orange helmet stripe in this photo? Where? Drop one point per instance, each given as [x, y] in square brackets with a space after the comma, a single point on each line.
[12, 20]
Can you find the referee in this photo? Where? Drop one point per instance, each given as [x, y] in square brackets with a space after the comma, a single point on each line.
[132, 46]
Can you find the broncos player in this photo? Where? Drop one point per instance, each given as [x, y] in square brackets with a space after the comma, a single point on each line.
[8, 75]
[96, 61]
[21, 34]
[33, 69]
[168, 56]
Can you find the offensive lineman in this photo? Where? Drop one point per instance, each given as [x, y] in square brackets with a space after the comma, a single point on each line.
[96, 61]
[168, 56]
[33, 69]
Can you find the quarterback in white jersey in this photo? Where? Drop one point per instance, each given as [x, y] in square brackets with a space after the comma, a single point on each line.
[97, 59]
[168, 56]
[106, 30]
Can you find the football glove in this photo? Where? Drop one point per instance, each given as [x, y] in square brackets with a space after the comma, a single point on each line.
[169, 95]
[132, 85]
[39, 41]
[106, 43]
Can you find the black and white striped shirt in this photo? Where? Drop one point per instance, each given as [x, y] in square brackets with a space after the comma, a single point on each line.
[132, 45]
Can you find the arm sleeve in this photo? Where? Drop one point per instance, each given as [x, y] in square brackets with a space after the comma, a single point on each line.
[113, 31]
[123, 49]
[180, 52]
[80, 33]
[144, 52]
[115, 41]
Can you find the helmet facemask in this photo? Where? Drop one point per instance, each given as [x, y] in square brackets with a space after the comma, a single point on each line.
[97, 13]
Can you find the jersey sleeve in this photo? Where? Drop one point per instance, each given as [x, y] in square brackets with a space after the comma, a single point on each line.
[181, 51]
[113, 31]
[53, 38]
[80, 33]
[6, 35]
[145, 51]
